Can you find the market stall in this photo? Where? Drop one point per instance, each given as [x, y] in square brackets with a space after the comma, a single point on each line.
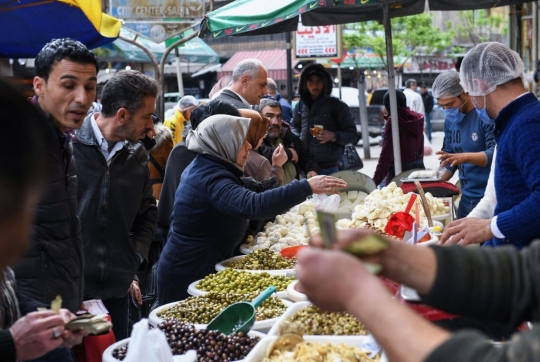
[268, 260]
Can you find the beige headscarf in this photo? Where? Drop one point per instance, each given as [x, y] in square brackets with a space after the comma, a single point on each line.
[219, 135]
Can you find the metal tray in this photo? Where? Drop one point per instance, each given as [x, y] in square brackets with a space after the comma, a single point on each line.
[429, 179]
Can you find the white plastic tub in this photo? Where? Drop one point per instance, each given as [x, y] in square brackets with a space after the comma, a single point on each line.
[192, 290]
[222, 266]
[108, 357]
[258, 325]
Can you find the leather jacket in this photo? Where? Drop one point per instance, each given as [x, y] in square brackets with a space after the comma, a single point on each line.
[118, 213]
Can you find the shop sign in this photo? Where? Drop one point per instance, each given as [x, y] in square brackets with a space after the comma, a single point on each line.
[315, 42]
[157, 9]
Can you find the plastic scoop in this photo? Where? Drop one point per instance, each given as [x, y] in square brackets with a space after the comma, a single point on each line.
[239, 317]
[401, 221]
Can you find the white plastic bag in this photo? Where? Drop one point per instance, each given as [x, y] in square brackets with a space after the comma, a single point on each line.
[331, 204]
[148, 345]
[318, 200]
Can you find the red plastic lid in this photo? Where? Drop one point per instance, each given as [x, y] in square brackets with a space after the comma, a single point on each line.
[290, 251]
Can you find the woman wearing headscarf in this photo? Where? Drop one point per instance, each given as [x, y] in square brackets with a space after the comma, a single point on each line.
[213, 206]
[257, 165]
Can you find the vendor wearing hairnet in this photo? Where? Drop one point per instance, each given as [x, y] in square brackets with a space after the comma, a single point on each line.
[182, 114]
[468, 142]
[492, 74]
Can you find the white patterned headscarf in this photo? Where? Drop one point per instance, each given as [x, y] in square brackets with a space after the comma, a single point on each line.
[221, 136]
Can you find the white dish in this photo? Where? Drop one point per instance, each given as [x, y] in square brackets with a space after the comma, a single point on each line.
[192, 290]
[440, 217]
[433, 241]
[221, 266]
[364, 342]
[258, 325]
[274, 331]
[108, 357]
[295, 295]
[244, 249]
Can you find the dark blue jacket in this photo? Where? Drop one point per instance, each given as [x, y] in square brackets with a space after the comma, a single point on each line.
[118, 213]
[211, 211]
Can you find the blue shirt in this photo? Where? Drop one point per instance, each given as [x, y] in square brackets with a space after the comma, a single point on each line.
[470, 135]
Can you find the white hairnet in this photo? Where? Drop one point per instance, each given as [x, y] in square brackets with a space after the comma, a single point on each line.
[488, 65]
[447, 85]
[187, 102]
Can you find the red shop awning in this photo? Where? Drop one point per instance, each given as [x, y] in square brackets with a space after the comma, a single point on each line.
[275, 62]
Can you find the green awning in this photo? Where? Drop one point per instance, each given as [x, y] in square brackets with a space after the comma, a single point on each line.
[193, 51]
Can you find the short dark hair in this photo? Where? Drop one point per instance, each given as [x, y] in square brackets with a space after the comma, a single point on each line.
[127, 89]
[25, 163]
[400, 98]
[269, 102]
[59, 49]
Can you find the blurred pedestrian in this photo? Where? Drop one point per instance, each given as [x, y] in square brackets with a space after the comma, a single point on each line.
[414, 100]
[182, 114]
[428, 108]
[286, 108]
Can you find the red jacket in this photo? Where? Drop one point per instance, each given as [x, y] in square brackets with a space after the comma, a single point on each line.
[411, 138]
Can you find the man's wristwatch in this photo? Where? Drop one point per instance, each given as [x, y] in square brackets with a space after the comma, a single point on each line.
[334, 139]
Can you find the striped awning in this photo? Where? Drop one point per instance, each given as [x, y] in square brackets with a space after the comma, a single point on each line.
[275, 62]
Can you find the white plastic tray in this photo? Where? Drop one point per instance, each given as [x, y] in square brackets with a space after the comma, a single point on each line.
[295, 295]
[194, 291]
[258, 325]
[259, 352]
[244, 249]
[274, 331]
[221, 266]
[108, 357]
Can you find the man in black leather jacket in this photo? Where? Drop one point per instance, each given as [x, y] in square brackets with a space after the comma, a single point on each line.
[116, 205]
[65, 87]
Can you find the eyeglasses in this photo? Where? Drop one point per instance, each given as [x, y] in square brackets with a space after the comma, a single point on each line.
[271, 116]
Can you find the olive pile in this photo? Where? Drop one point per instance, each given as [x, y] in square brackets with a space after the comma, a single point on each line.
[241, 282]
[263, 259]
[317, 322]
[210, 345]
[203, 308]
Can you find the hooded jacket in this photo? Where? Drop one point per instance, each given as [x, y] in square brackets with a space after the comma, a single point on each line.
[330, 112]
[118, 213]
[411, 138]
